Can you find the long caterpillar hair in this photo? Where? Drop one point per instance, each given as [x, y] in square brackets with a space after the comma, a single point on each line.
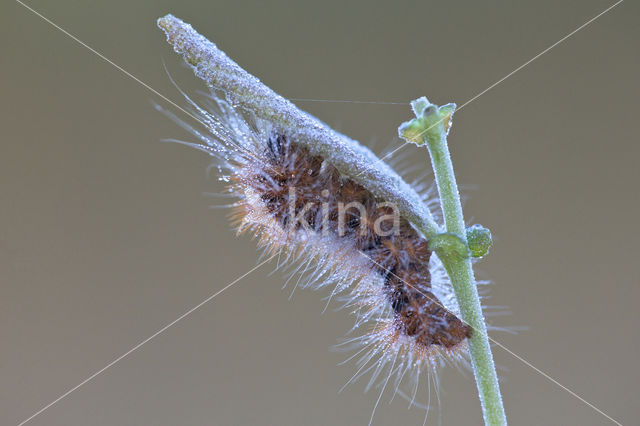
[329, 231]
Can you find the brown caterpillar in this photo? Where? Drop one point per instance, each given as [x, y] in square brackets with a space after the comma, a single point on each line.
[302, 193]
[341, 230]
[337, 234]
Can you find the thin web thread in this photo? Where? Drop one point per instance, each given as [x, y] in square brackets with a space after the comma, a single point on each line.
[507, 76]
[347, 101]
[143, 342]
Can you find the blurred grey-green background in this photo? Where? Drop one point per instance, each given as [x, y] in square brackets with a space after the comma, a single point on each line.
[105, 236]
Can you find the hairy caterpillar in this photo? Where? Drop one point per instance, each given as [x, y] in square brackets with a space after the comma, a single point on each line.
[337, 233]
[287, 186]
[338, 229]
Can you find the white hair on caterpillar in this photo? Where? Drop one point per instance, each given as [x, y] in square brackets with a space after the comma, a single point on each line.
[409, 326]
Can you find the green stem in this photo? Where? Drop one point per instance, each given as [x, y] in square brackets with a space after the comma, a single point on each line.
[430, 128]
[464, 284]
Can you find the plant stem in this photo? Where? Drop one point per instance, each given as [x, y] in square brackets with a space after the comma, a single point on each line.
[464, 284]
[430, 128]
